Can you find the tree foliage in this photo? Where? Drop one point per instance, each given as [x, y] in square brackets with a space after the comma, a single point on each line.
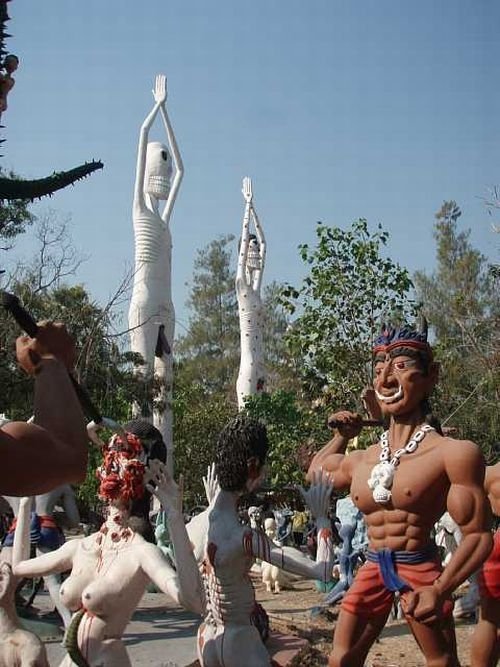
[209, 350]
[15, 217]
[462, 303]
[351, 288]
[199, 416]
[289, 425]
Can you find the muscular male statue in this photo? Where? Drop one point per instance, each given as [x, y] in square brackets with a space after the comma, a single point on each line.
[485, 649]
[403, 485]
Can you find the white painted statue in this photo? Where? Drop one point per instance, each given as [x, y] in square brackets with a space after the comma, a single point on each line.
[18, 647]
[225, 549]
[111, 568]
[45, 535]
[274, 578]
[151, 313]
[251, 261]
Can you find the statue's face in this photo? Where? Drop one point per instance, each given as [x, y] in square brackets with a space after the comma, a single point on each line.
[158, 175]
[401, 384]
[121, 473]
[253, 257]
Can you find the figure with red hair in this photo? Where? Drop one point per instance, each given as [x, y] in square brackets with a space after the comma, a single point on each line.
[111, 568]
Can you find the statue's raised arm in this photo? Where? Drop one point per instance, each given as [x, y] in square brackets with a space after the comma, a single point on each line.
[154, 161]
[179, 167]
[241, 271]
[160, 96]
[261, 243]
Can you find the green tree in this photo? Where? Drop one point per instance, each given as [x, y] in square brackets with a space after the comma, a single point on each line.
[350, 290]
[209, 350]
[289, 425]
[15, 216]
[199, 416]
[462, 303]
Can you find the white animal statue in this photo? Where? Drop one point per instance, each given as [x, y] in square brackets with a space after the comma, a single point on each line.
[251, 260]
[273, 577]
[18, 647]
[151, 314]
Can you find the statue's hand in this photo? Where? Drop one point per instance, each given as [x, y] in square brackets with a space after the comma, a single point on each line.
[247, 189]
[160, 89]
[211, 483]
[347, 423]
[424, 605]
[317, 496]
[159, 482]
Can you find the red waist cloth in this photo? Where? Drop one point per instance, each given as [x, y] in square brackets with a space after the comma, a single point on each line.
[368, 595]
[489, 577]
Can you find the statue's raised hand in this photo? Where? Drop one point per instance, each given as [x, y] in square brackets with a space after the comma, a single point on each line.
[160, 89]
[211, 483]
[158, 481]
[317, 496]
[247, 189]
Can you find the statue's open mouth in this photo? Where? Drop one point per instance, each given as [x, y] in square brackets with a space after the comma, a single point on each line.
[391, 398]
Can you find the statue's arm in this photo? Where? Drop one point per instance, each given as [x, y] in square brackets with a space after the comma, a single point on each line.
[179, 167]
[331, 458]
[59, 560]
[159, 94]
[185, 587]
[241, 278]
[492, 487]
[317, 498]
[468, 506]
[261, 239]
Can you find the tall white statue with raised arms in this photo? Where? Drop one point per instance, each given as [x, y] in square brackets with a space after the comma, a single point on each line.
[151, 315]
[251, 260]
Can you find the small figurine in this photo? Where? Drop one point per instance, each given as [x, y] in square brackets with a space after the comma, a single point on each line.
[273, 577]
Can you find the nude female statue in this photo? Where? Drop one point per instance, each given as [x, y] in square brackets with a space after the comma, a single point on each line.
[151, 313]
[226, 549]
[429, 474]
[111, 568]
[251, 260]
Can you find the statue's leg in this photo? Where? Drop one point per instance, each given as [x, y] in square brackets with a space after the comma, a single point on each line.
[437, 641]
[353, 637]
[485, 648]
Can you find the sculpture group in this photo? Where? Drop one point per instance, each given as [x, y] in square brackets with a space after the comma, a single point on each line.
[399, 488]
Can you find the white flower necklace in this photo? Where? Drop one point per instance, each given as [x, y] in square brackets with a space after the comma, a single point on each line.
[383, 473]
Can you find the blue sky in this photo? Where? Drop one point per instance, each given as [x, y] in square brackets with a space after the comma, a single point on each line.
[336, 109]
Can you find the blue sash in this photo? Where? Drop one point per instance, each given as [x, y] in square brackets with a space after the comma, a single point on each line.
[386, 560]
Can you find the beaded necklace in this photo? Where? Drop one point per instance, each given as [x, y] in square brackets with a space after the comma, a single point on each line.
[382, 475]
